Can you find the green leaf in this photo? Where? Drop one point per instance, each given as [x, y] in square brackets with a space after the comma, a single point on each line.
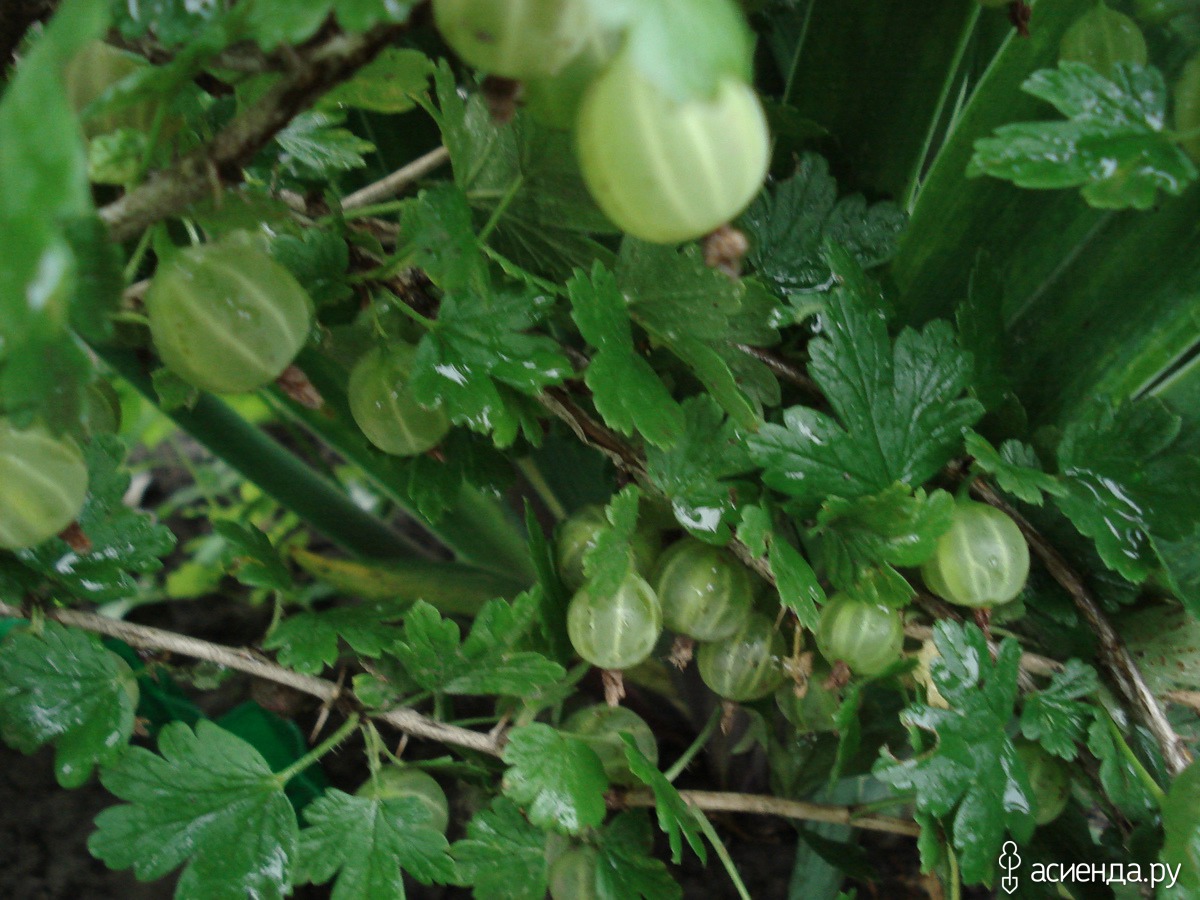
[116, 158]
[252, 557]
[308, 641]
[676, 819]
[900, 408]
[755, 529]
[367, 843]
[788, 228]
[557, 778]
[685, 47]
[313, 147]
[124, 542]
[1181, 567]
[609, 560]
[693, 311]
[548, 215]
[171, 22]
[1127, 485]
[391, 83]
[45, 184]
[486, 662]
[694, 472]
[627, 392]
[440, 235]
[1054, 716]
[503, 857]
[62, 686]
[1115, 145]
[319, 260]
[1181, 825]
[973, 779]
[624, 868]
[892, 528]
[1016, 469]
[211, 803]
[275, 22]
[799, 589]
[1118, 776]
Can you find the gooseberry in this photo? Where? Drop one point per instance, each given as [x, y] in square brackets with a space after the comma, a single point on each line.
[1101, 38]
[982, 561]
[601, 727]
[668, 170]
[93, 70]
[615, 631]
[705, 593]
[1049, 780]
[817, 709]
[867, 637]
[392, 782]
[226, 318]
[746, 665]
[1187, 106]
[383, 405]
[45, 482]
[518, 39]
[577, 535]
[573, 875]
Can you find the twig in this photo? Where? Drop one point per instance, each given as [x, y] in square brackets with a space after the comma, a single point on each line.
[415, 724]
[784, 370]
[721, 801]
[393, 184]
[315, 70]
[147, 638]
[1114, 657]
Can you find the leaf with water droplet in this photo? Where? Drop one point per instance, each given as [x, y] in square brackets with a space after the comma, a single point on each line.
[210, 803]
[1115, 145]
[62, 687]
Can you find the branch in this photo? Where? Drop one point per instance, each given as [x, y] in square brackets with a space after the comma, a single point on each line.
[414, 723]
[721, 801]
[241, 660]
[1114, 657]
[393, 184]
[314, 70]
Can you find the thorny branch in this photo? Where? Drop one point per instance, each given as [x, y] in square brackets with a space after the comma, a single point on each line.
[1115, 658]
[315, 69]
[415, 724]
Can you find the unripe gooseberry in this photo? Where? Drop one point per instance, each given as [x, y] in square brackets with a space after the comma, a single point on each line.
[393, 782]
[668, 170]
[577, 535]
[1049, 779]
[227, 318]
[93, 70]
[746, 665]
[615, 631]
[102, 408]
[705, 593]
[982, 561]
[573, 875]
[384, 408]
[601, 727]
[518, 39]
[1187, 106]
[1101, 38]
[43, 483]
[867, 637]
[554, 100]
[817, 709]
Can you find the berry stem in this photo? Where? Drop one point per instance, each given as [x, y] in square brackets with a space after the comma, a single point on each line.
[696, 746]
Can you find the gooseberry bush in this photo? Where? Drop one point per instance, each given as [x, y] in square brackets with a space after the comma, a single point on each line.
[622, 433]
